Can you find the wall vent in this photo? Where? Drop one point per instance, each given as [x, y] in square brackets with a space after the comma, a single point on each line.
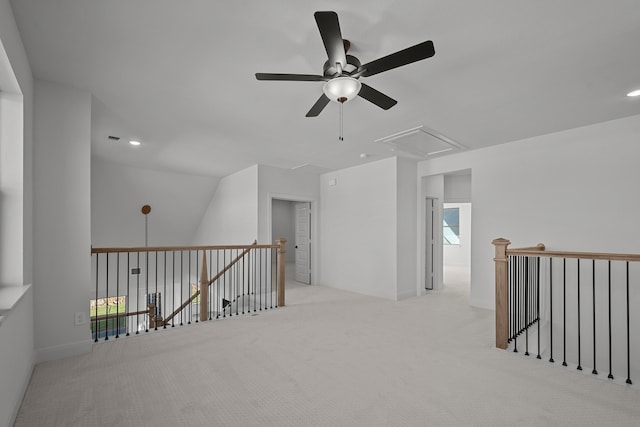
[421, 142]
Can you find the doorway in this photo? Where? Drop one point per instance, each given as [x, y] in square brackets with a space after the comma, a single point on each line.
[291, 219]
[456, 253]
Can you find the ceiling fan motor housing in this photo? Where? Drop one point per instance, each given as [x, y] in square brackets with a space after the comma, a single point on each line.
[353, 64]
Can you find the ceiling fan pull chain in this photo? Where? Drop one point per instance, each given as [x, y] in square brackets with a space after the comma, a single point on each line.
[341, 130]
[341, 101]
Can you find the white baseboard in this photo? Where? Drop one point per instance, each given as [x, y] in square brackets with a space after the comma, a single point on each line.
[63, 351]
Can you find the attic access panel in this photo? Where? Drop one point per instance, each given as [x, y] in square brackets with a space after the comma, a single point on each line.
[420, 142]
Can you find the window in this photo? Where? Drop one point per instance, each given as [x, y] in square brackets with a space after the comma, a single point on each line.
[451, 226]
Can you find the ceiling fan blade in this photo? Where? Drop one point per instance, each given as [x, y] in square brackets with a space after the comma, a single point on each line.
[331, 37]
[376, 97]
[318, 106]
[406, 56]
[290, 77]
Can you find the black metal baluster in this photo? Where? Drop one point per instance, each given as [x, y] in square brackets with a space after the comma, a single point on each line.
[610, 376]
[128, 280]
[516, 304]
[510, 293]
[117, 295]
[593, 275]
[277, 275]
[579, 364]
[137, 293]
[146, 275]
[538, 302]
[217, 285]
[260, 265]
[551, 309]
[255, 281]
[164, 307]
[155, 304]
[181, 284]
[210, 296]
[237, 277]
[628, 333]
[526, 306]
[173, 285]
[189, 292]
[564, 312]
[243, 283]
[224, 284]
[198, 288]
[95, 326]
[106, 300]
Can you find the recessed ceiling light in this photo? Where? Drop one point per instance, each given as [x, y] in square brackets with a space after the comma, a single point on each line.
[634, 93]
[134, 142]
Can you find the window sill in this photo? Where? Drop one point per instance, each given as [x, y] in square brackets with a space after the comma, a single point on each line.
[10, 296]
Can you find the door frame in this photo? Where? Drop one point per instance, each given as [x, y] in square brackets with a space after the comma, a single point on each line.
[313, 227]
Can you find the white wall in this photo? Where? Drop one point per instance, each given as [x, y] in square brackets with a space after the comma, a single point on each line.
[457, 188]
[17, 334]
[232, 215]
[283, 218]
[406, 227]
[358, 226]
[368, 216]
[572, 190]
[62, 228]
[118, 192]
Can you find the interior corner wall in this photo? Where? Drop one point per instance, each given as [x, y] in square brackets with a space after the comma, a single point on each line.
[62, 212]
[358, 225]
[406, 224]
[118, 193]
[231, 217]
[572, 190]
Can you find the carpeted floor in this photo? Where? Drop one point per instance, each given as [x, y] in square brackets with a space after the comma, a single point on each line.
[330, 358]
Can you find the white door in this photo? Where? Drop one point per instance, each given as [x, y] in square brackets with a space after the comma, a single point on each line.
[303, 242]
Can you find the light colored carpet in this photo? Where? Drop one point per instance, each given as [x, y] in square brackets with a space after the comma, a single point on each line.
[330, 358]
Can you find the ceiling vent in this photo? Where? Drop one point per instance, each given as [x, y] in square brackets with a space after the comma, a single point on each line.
[421, 142]
[113, 138]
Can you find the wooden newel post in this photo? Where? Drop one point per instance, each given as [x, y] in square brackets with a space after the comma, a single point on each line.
[204, 289]
[502, 292]
[281, 267]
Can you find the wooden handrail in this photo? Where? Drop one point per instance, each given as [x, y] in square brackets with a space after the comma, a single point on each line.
[580, 255]
[180, 248]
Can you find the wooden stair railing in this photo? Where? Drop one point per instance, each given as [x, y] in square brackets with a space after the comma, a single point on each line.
[501, 259]
[205, 281]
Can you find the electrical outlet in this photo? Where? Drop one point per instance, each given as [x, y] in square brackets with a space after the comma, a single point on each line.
[80, 318]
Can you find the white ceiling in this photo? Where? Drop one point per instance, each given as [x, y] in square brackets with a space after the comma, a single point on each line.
[179, 75]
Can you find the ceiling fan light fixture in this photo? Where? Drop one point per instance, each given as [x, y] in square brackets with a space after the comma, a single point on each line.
[342, 89]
